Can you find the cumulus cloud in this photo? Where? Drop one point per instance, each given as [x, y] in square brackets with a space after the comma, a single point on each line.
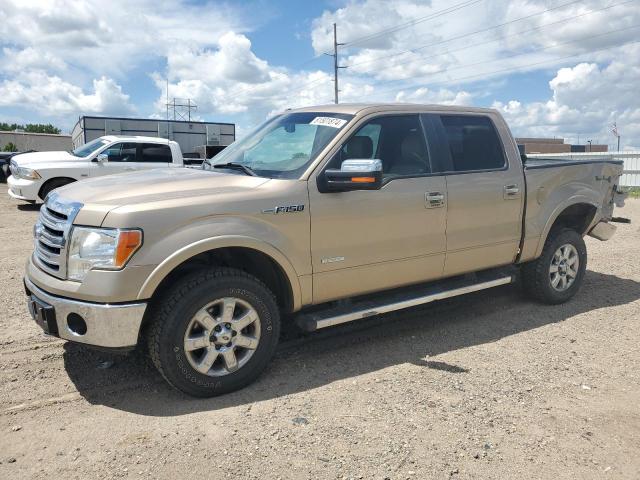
[70, 57]
[585, 100]
[52, 95]
[74, 57]
[229, 79]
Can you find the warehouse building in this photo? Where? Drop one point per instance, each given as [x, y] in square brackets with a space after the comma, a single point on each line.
[202, 139]
[555, 145]
[40, 142]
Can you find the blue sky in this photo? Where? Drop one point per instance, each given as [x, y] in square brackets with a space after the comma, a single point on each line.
[553, 67]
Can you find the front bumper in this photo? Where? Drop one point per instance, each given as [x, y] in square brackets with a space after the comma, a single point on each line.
[22, 189]
[104, 325]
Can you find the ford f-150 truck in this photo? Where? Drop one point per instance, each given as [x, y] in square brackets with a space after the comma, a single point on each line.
[34, 175]
[321, 216]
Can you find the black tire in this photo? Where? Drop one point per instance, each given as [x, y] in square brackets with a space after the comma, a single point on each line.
[51, 185]
[536, 277]
[171, 317]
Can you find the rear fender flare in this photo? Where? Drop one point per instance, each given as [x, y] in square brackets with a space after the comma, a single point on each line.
[574, 200]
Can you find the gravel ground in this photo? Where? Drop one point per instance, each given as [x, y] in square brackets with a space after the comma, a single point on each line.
[489, 385]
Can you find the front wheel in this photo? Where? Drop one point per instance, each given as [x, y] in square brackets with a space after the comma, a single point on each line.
[214, 332]
[557, 274]
[51, 185]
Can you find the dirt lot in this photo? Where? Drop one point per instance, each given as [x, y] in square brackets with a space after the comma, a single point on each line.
[485, 386]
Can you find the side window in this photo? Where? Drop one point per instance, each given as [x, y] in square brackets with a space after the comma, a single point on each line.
[121, 152]
[473, 143]
[398, 141]
[155, 152]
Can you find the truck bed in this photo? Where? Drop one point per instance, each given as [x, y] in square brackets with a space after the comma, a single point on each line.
[552, 162]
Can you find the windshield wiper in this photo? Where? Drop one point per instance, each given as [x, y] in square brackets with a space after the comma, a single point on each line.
[236, 166]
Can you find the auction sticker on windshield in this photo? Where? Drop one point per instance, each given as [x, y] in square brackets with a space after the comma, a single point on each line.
[328, 122]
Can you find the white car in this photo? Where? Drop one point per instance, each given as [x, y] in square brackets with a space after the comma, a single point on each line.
[34, 175]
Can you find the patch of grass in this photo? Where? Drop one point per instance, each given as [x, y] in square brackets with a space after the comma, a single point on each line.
[634, 192]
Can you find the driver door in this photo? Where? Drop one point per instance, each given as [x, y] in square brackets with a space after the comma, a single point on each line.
[368, 240]
[121, 157]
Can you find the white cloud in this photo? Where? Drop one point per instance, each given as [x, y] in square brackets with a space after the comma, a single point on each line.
[586, 99]
[231, 79]
[51, 95]
[113, 37]
[15, 60]
[72, 57]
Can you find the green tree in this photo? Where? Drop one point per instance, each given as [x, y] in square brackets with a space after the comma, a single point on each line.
[41, 128]
[29, 127]
[10, 147]
[6, 127]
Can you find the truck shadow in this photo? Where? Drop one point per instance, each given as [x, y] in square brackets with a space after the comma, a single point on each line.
[413, 336]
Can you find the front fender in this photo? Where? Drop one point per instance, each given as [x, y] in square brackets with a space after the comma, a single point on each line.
[213, 243]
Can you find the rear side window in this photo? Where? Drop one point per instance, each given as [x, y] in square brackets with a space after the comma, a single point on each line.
[155, 152]
[473, 143]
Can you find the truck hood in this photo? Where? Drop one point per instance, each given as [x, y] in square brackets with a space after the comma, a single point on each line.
[35, 158]
[158, 185]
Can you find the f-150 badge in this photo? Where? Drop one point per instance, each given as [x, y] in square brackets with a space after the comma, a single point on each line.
[284, 209]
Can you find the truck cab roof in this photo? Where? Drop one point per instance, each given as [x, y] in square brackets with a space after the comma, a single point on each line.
[365, 108]
[137, 138]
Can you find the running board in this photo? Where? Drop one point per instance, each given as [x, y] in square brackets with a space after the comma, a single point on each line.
[312, 321]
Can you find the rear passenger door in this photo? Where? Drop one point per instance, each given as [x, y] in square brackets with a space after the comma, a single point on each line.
[484, 193]
[153, 155]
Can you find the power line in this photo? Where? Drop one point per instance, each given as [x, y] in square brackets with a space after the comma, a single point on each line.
[416, 21]
[572, 17]
[540, 27]
[465, 35]
[504, 70]
[458, 67]
[439, 13]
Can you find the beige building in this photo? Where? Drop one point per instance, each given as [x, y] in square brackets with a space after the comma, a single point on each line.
[25, 141]
[555, 145]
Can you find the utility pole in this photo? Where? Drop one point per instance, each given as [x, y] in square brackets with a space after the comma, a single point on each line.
[336, 67]
[616, 134]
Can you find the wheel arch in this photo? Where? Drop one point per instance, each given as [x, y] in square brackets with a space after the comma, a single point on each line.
[257, 258]
[577, 213]
[46, 184]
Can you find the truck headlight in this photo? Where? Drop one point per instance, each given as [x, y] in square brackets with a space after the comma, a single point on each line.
[25, 173]
[100, 248]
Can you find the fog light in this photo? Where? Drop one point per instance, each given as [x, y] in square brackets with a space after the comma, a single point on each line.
[76, 324]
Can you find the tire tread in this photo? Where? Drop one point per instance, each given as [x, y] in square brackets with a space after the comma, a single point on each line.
[164, 308]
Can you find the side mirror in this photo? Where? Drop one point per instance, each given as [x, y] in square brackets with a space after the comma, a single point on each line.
[102, 158]
[355, 174]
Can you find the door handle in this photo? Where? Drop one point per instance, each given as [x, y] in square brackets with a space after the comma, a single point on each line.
[434, 199]
[511, 192]
[129, 168]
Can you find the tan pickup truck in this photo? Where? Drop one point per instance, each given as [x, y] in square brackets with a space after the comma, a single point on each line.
[321, 216]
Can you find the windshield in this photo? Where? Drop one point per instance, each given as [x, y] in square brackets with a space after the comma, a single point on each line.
[284, 146]
[89, 148]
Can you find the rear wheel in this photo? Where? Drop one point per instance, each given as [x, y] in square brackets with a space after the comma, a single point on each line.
[557, 274]
[214, 332]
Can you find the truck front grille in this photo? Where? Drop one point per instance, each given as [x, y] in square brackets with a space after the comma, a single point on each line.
[51, 234]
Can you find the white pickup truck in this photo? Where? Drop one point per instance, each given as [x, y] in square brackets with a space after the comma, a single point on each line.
[34, 175]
